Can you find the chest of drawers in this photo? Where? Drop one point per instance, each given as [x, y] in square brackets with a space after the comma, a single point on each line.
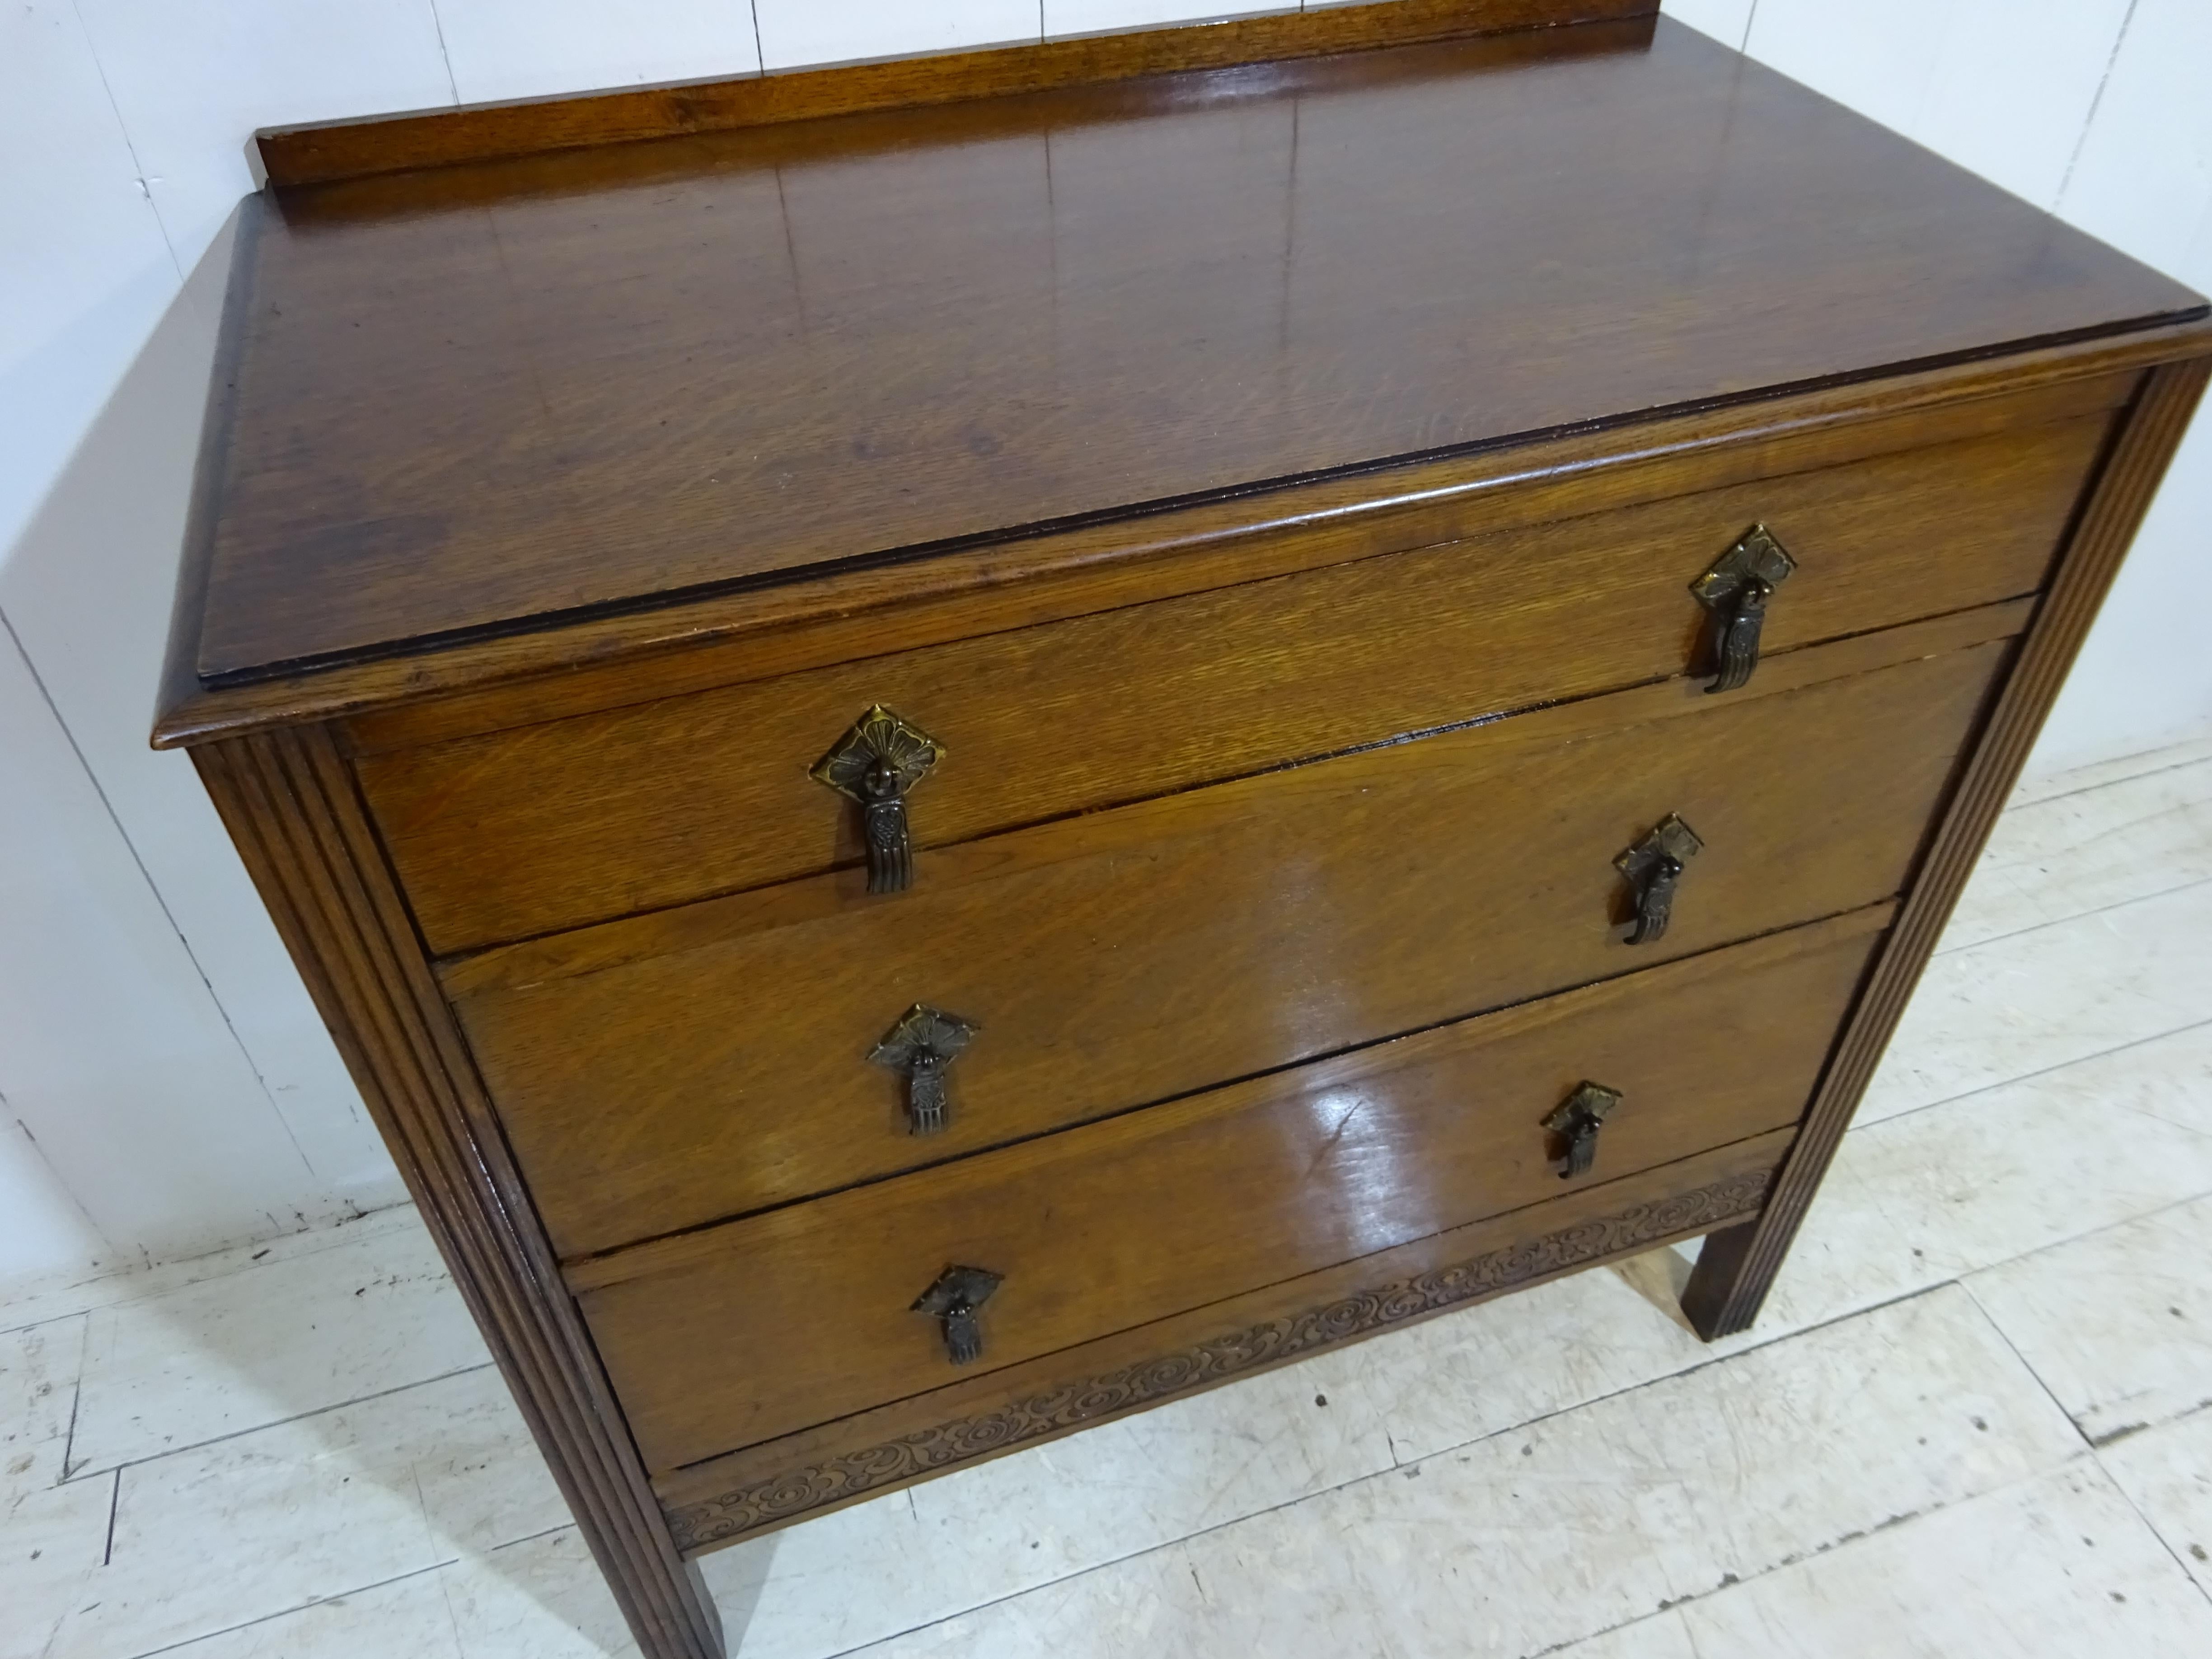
[959, 745]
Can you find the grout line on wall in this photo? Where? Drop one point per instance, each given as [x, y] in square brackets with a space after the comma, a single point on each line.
[2089, 121]
[444, 57]
[161, 899]
[138, 167]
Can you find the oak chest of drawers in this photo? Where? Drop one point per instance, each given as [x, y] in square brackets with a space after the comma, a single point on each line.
[960, 746]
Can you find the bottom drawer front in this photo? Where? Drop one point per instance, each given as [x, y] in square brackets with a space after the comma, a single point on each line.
[743, 1493]
[719, 1339]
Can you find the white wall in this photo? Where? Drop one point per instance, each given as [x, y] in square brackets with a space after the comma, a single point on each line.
[166, 1089]
[2099, 111]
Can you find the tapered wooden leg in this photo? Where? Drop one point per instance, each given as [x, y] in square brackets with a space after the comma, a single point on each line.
[1738, 1265]
[1710, 1301]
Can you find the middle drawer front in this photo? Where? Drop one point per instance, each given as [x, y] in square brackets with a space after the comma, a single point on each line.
[674, 1070]
[724, 1339]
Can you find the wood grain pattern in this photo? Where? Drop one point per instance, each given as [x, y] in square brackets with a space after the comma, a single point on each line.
[319, 152]
[755, 1491]
[1118, 1225]
[569, 823]
[934, 349]
[659, 1073]
[1737, 1267]
[289, 803]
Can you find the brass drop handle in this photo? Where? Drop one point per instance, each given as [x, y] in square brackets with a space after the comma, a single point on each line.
[954, 1299]
[877, 763]
[1654, 866]
[1735, 590]
[922, 1044]
[1575, 1121]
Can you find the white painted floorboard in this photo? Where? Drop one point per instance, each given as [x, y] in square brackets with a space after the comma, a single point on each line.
[1976, 1419]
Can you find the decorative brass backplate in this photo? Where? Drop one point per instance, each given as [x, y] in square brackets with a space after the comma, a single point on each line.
[876, 763]
[954, 1298]
[1737, 590]
[1577, 1121]
[922, 1044]
[1653, 867]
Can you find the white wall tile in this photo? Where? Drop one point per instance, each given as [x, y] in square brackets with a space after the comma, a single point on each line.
[85, 271]
[46, 1239]
[2013, 85]
[109, 1038]
[2144, 676]
[1727, 21]
[1877, 56]
[796, 32]
[525, 48]
[103, 372]
[88, 588]
[1094, 16]
[2144, 181]
[193, 82]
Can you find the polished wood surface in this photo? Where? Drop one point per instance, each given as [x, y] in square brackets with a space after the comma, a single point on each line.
[797, 1476]
[565, 823]
[657, 1073]
[319, 152]
[1119, 1224]
[738, 358]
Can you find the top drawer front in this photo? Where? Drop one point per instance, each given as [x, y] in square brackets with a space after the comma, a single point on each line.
[533, 830]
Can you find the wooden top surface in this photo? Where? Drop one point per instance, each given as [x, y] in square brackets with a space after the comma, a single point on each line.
[492, 396]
